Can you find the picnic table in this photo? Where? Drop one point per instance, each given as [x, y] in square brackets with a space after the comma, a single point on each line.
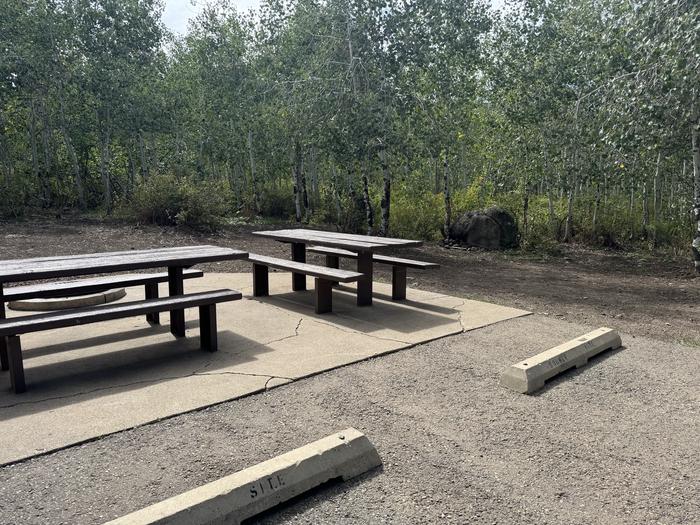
[174, 259]
[364, 245]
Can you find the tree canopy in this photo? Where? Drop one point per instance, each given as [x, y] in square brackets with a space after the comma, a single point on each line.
[582, 117]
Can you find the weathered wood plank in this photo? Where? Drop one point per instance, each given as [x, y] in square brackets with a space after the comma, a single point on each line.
[321, 240]
[94, 314]
[307, 269]
[88, 286]
[9, 271]
[97, 255]
[362, 238]
[380, 259]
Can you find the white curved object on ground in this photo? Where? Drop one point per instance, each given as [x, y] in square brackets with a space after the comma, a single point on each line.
[65, 303]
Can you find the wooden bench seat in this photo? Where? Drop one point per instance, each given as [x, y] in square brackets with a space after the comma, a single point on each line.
[398, 271]
[96, 285]
[324, 278]
[13, 328]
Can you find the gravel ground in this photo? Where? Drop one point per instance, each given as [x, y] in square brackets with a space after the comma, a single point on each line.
[613, 442]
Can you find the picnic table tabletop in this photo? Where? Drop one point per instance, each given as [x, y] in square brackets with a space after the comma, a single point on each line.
[361, 243]
[15, 270]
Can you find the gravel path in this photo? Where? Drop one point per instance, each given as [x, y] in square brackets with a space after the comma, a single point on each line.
[614, 442]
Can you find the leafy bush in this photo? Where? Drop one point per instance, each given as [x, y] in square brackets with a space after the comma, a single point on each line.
[168, 200]
[418, 216]
[278, 202]
[12, 200]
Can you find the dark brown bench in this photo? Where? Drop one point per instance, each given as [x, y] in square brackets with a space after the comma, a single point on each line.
[96, 285]
[398, 270]
[325, 277]
[13, 328]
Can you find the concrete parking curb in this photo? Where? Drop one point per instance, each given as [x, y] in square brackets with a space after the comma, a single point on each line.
[530, 375]
[244, 494]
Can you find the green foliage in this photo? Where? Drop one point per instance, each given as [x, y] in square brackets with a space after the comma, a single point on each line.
[277, 203]
[12, 203]
[582, 100]
[168, 200]
[417, 215]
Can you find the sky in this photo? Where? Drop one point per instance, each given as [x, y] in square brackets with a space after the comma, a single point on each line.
[178, 12]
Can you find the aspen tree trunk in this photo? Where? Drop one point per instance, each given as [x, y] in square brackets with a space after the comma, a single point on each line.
[553, 226]
[296, 176]
[142, 156]
[336, 196]
[526, 206]
[657, 189]
[645, 210]
[369, 212]
[695, 138]
[437, 176]
[253, 175]
[131, 164]
[313, 170]
[46, 145]
[77, 174]
[569, 228]
[104, 168]
[35, 152]
[596, 205]
[4, 154]
[448, 197]
[305, 193]
[386, 195]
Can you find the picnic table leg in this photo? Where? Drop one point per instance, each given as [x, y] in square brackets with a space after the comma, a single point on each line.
[398, 283]
[4, 362]
[176, 287]
[298, 255]
[152, 293]
[364, 285]
[333, 261]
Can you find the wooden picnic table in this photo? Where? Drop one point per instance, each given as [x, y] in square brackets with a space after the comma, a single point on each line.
[364, 245]
[175, 259]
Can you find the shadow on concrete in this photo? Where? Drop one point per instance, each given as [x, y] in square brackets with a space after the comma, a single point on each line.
[56, 384]
[104, 339]
[427, 306]
[401, 316]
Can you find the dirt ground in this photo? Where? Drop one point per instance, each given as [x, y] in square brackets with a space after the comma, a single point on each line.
[612, 443]
[642, 294]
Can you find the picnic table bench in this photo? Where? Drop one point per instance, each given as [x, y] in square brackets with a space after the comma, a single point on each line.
[398, 266]
[95, 285]
[177, 260]
[12, 329]
[325, 277]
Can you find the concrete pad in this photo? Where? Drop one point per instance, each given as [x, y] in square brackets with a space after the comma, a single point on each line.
[247, 493]
[530, 375]
[87, 381]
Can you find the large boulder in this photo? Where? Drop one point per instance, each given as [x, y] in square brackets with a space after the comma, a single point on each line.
[491, 229]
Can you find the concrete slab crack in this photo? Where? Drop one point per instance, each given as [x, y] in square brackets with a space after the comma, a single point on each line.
[296, 334]
[197, 372]
[351, 331]
[459, 317]
[250, 374]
